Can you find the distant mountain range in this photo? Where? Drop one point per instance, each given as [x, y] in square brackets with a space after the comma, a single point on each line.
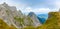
[43, 15]
[42, 20]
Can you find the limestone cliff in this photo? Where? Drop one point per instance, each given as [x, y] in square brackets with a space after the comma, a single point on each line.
[36, 21]
[10, 15]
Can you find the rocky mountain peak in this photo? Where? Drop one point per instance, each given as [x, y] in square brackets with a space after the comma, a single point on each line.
[11, 16]
[5, 4]
[33, 16]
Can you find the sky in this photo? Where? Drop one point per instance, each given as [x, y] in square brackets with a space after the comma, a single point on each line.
[36, 6]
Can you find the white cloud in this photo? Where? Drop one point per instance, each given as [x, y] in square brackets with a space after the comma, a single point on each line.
[45, 10]
[55, 3]
[13, 3]
[25, 9]
[1, 1]
[28, 9]
[40, 10]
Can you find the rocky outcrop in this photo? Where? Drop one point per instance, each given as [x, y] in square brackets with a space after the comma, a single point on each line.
[7, 13]
[34, 18]
[11, 16]
[54, 17]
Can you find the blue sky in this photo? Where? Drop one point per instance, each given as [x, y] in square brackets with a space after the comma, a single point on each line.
[37, 6]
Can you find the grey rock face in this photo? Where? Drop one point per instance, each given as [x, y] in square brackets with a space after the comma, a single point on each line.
[7, 13]
[34, 18]
[11, 16]
[59, 9]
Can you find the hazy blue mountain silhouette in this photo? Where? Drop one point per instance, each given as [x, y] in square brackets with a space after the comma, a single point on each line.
[42, 20]
[43, 15]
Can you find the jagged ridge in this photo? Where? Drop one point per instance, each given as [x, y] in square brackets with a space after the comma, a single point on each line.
[11, 16]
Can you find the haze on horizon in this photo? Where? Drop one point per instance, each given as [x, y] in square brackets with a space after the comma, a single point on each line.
[36, 6]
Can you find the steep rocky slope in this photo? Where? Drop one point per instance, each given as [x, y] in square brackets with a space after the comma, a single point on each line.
[7, 13]
[10, 15]
[33, 16]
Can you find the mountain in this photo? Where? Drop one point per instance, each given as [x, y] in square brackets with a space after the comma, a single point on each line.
[42, 20]
[7, 13]
[11, 16]
[33, 16]
[43, 15]
[53, 21]
[54, 17]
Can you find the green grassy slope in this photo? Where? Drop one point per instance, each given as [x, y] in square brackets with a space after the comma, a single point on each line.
[53, 21]
[3, 25]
